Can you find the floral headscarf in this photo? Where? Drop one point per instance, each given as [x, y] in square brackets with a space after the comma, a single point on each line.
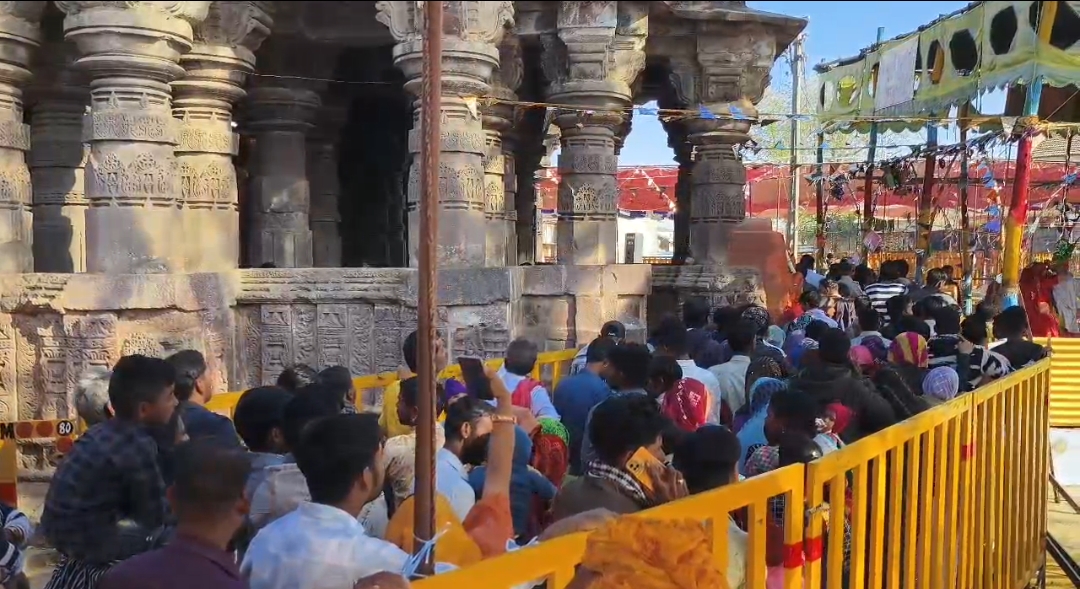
[758, 315]
[909, 348]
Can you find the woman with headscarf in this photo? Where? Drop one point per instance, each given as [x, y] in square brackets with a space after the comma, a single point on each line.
[1037, 284]
[761, 367]
[551, 449]
[752, 434]
[910, 356]
[941, 385]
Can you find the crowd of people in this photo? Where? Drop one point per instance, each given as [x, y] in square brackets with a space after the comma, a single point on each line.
[301, 490]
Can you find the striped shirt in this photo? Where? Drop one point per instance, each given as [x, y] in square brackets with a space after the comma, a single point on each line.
[879, 294]
[983, 362]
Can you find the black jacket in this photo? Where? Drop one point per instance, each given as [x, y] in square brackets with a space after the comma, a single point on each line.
[839, 383]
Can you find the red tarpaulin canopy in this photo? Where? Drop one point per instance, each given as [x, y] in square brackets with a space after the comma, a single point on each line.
[652, 189]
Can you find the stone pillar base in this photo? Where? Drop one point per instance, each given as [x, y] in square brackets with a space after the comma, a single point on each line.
[587, 241]
[746, 262]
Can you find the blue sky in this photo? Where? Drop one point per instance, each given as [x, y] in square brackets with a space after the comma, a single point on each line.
[836, 29]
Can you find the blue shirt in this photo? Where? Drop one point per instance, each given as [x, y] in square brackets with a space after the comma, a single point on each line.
[202, 423]
[526, 485]
[575, 396]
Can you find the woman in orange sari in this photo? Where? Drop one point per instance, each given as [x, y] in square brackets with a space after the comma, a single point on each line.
[1037, 293]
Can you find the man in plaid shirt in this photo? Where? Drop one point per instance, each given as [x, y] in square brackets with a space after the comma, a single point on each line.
[107, 501]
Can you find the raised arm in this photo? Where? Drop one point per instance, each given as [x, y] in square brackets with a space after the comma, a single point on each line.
[500, 460]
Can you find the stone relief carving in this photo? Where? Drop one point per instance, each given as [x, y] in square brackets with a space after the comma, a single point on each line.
[511, 67]
[129, 125]
[236, 24]
[14, 185]
[189, 11]
[130, 182]
[208, 185]
[483, 22]
[200, 139]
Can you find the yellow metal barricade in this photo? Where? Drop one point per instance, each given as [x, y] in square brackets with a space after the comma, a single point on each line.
[550, 367]
[953, 497]
[555, 561]
[1065, 382]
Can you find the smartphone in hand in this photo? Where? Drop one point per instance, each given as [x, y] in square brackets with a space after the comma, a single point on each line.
[476, 381]
[639, 465]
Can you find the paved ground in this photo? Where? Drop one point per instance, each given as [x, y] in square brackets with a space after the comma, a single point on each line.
[1064, 525]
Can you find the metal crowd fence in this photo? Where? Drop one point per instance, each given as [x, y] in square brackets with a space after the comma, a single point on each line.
[954, 497]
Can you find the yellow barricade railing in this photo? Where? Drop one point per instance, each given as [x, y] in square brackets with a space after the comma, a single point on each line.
[554, 561]
[954, 497]
[550, 367]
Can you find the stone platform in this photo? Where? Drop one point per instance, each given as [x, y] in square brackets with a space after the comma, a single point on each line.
[251, 324]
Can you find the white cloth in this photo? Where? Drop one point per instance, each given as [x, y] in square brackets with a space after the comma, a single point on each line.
[284, 488]
[317, 547]
[736, 568]
[731, 376]
[1066, 293]
[452, 482]
[695, 372]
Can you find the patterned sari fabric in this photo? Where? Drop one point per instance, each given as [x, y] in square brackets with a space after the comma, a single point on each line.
[643, 553]
[551, 450]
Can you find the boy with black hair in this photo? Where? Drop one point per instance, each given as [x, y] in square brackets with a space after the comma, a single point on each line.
[410, 348]
[210, 506]
[283, 486]
[296, 377]
[106, 501]
[194, 390]
[576, 395]
[1012, 326]
[259, 418]
[322, 544]
[983, 364]
[338, 382]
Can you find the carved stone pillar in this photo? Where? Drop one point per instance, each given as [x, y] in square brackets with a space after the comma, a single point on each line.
[216, 67]
[279, 119]
[19, 35]
[500, 183]
[471, 34]
[596, 55]
[131, 52]
[728, 76]
[683, 203]
[326, 187]
[57, 160]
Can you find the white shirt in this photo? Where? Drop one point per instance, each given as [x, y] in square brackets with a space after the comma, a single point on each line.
[452, 482]
[1065, 299]
[691, 370]
[317, 547]
[731, 376]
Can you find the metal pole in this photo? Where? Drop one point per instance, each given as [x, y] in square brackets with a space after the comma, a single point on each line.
[797, 61]
[925, 223]
[966, 260]
[820, 237]
[1018, 205]
[430, 101]
[868, 183]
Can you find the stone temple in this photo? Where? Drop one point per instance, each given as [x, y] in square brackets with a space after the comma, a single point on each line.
[153, 155]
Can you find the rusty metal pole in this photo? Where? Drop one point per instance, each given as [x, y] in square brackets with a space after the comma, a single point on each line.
[430, 100]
